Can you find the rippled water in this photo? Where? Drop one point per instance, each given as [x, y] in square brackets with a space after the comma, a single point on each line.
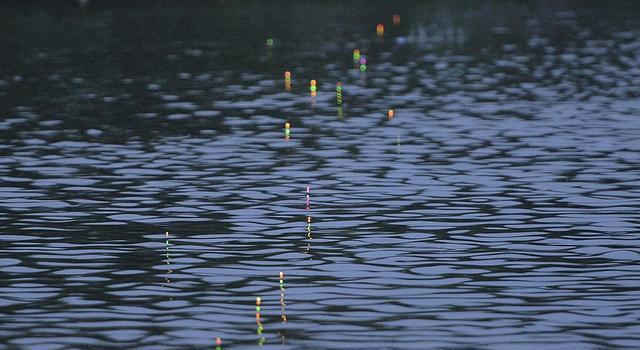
[498, 209]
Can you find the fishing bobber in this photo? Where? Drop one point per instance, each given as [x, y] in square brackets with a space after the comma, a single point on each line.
[339, 93]
[396, 20]
[390, 113]
[287, 80]
[356, 55]
[313, 87]
[218, 343]
[363, 64]
[380, 29]
[269, 42]
[258, 321]
[282, 303]
[258, 302]
[287, 130]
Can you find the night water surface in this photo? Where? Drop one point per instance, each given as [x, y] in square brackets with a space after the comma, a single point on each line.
[149, 194]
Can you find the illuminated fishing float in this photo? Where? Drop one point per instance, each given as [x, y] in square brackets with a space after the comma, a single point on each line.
[396, 20]
[168, 259]
[380, 29]
[287, 80]
[218, 343]
[390, 114]
[338, 93]
[287, 130]
[363, 64]
[282, 303]
[259, 321]
[356, 58]
[269, 50]
[308, 208]
[313, 87]
[166, 245]
[309, 237]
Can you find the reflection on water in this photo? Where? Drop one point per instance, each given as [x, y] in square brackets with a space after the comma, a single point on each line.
[473, 183]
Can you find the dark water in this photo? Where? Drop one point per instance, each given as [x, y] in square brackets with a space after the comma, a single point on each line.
[498, 209]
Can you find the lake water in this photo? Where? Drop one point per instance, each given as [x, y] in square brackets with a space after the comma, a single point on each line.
[148, 193]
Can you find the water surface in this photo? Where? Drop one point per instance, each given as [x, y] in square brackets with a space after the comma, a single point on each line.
[498, 209]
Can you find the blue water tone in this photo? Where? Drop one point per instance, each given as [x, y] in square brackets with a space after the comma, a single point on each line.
[148, 193]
